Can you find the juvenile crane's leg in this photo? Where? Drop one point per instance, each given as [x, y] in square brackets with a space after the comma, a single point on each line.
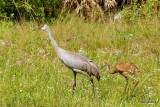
[126, 86]
[74, 83]
[81, 72]
[137, 81]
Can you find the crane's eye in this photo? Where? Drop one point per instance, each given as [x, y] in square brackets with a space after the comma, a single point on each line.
[41, 25]
[103, 64]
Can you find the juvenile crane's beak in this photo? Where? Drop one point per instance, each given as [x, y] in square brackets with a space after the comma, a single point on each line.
[102, 66]
[36, 29]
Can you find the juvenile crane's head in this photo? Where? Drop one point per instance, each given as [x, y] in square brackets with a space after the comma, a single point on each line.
[42, 27]
[105, 63]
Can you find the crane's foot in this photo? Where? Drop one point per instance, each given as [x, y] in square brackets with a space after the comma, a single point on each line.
[126, 91]
[94, 95]
[137, 81]
[91, 79]
[72, 92]
[74, 86]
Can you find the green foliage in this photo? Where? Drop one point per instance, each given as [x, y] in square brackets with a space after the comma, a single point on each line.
[148, 9]
[18, 9]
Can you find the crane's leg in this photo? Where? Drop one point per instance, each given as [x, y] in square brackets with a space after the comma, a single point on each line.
[91, 79]
[126, 86]
[74, 83]
[137, 81]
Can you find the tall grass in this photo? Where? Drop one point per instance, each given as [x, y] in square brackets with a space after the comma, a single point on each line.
[32, 75]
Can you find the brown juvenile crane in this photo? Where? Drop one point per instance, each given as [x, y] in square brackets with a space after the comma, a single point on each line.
[127, 69]
[76, 62]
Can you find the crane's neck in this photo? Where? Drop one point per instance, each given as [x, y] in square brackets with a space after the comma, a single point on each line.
[52, 39]
[107, 67]
[110, 70]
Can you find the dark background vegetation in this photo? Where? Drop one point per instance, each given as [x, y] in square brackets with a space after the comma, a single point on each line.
[28, 9]
[33, 9]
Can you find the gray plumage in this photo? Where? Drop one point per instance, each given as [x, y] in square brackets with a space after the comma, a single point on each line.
[76, 62]
[117, 16]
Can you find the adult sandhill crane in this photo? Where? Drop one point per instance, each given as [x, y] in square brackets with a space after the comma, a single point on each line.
[127, 69]
[76, 62]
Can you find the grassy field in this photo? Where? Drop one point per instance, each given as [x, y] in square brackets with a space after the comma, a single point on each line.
[32, 75]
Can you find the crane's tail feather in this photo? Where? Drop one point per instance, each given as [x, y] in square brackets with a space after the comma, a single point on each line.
[141, 71]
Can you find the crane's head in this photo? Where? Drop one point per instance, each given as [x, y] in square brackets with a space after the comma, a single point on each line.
[41, 27]
[105, 63]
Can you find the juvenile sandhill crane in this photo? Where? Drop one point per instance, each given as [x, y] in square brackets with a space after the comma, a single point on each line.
[76, 62]
[127, 69]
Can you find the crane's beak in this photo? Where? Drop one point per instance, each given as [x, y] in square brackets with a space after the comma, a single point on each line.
[102, 66]
[36, 29]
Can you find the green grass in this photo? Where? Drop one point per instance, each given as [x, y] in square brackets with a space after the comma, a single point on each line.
[32, 75]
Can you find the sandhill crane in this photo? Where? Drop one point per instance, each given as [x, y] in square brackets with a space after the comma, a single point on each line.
[76, 62]
[127, 69]
[117, 16]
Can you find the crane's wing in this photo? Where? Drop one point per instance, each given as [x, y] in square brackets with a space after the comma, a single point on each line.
[77, 61]
[123, 66]
[128, 66]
